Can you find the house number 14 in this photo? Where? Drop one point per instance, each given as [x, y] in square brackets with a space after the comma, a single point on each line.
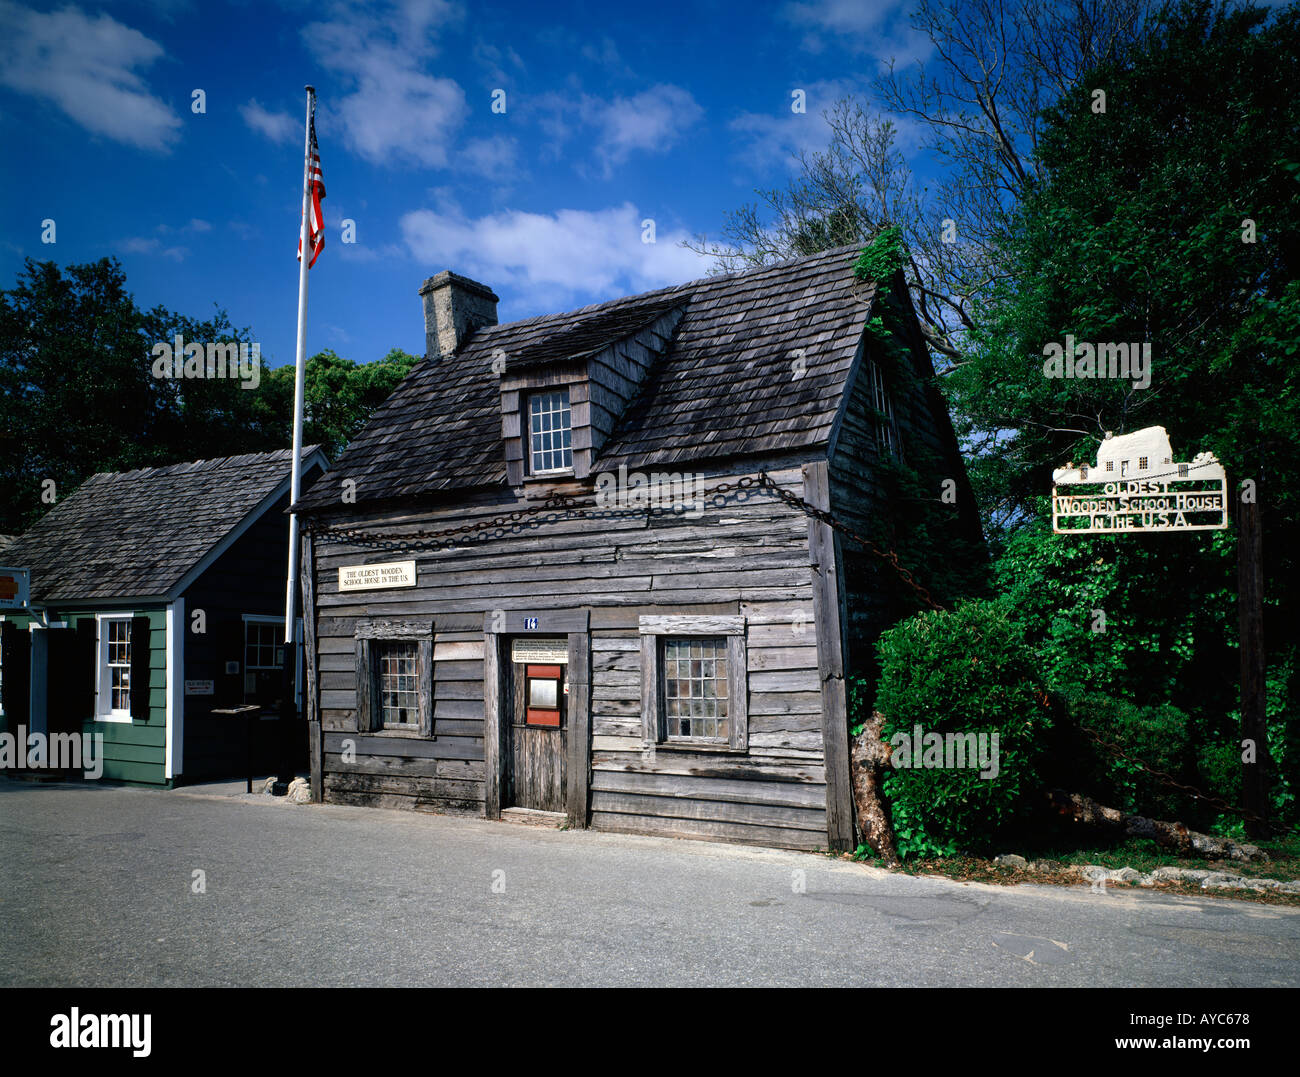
[530, 622]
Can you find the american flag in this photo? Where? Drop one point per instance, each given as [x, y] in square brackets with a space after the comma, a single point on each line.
[315, 219]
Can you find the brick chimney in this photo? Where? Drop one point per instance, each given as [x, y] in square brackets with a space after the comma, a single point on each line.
[454, 306]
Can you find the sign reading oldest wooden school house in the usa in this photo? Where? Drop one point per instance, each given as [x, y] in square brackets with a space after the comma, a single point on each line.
[1135, 485]
[377, 577]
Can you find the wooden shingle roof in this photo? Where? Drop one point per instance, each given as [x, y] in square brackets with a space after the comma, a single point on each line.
[137, 534]
[726, 385]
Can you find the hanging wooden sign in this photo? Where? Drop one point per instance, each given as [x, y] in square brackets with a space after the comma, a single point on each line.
[1135, 485]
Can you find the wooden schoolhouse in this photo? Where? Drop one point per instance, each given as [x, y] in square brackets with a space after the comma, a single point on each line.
[156, 599]
[567, 571]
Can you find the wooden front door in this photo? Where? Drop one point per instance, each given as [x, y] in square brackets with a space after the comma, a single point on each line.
[539, 730]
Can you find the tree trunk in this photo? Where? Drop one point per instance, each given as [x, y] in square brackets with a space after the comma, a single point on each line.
[870, 756]
[1254, 724]
[1173, 836]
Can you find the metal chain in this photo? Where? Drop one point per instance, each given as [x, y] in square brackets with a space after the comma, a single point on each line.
[556, 508]
[765, 481]
[1190, 790]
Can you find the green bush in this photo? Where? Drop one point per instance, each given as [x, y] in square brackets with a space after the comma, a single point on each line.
[1153, 737]
[964, 671]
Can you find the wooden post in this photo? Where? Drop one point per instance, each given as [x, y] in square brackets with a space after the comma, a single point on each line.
[579, 763]
[1250, 618]
[493, 721]
[830, 662]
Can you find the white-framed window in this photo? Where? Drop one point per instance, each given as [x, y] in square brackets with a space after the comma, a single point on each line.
[263, 658]
[113, 660]
[1142, 463]
[550, 432]
[695, 678]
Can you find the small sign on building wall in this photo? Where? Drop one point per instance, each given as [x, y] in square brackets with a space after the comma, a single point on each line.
[1136, 485]
[15, 588]
[377, 577]
[200, 688]
[540, 650]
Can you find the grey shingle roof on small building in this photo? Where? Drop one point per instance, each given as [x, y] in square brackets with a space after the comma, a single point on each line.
[136, 534]
[725, 387]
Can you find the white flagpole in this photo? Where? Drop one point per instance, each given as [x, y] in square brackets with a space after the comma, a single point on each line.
[291, 587]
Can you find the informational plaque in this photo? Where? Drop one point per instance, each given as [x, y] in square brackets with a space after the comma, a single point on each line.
[377, 577]
[1136, 485]
[200, 688]
[540, 650]
[15, 589]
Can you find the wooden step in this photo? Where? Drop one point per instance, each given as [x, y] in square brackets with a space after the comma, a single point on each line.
[533, 817]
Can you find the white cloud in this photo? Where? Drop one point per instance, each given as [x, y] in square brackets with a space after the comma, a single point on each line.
[396, 111]
[550, 261]
[277, 126]
[88, 67]
[153, 246]
[881, 29]
[648, 122]
[494, 158]
[772, 139]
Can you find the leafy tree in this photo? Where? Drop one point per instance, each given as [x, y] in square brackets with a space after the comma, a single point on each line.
[1171, 218]
[977, 108]
[78, 395]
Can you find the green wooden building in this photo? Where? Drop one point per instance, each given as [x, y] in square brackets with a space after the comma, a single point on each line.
[156, 599]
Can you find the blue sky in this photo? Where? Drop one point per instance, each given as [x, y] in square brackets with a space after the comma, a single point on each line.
[673, 112]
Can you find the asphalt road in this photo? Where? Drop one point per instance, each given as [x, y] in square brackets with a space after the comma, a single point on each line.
[97, 888]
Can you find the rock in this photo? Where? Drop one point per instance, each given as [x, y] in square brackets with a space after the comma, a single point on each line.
[1220, 880]
[1261, 884]
[1046, 866]
[1292, 887]
[1167, 872]
[1124, 875]
[268, 786]
[299, 791]
[1011, 860]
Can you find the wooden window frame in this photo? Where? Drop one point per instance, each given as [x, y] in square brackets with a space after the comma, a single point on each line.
[370, 631]
[654, 730]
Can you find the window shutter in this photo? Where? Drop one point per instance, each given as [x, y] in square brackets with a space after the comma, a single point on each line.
[228, 633]
[140, 685]
[16, 656]
[85, 669]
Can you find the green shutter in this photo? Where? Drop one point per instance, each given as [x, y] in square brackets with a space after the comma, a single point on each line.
[140, 680]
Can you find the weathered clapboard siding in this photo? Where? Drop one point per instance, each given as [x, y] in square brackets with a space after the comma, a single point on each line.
[747, 559]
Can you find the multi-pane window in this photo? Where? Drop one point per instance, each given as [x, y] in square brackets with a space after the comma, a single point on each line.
[117, 663]
[1110, 465]
[550, 431]
[886, 428]
[399, 703]
[263, 660]
[695, 688]
[1142, 463]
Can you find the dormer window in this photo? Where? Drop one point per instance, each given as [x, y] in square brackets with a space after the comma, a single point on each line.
[550, 432]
